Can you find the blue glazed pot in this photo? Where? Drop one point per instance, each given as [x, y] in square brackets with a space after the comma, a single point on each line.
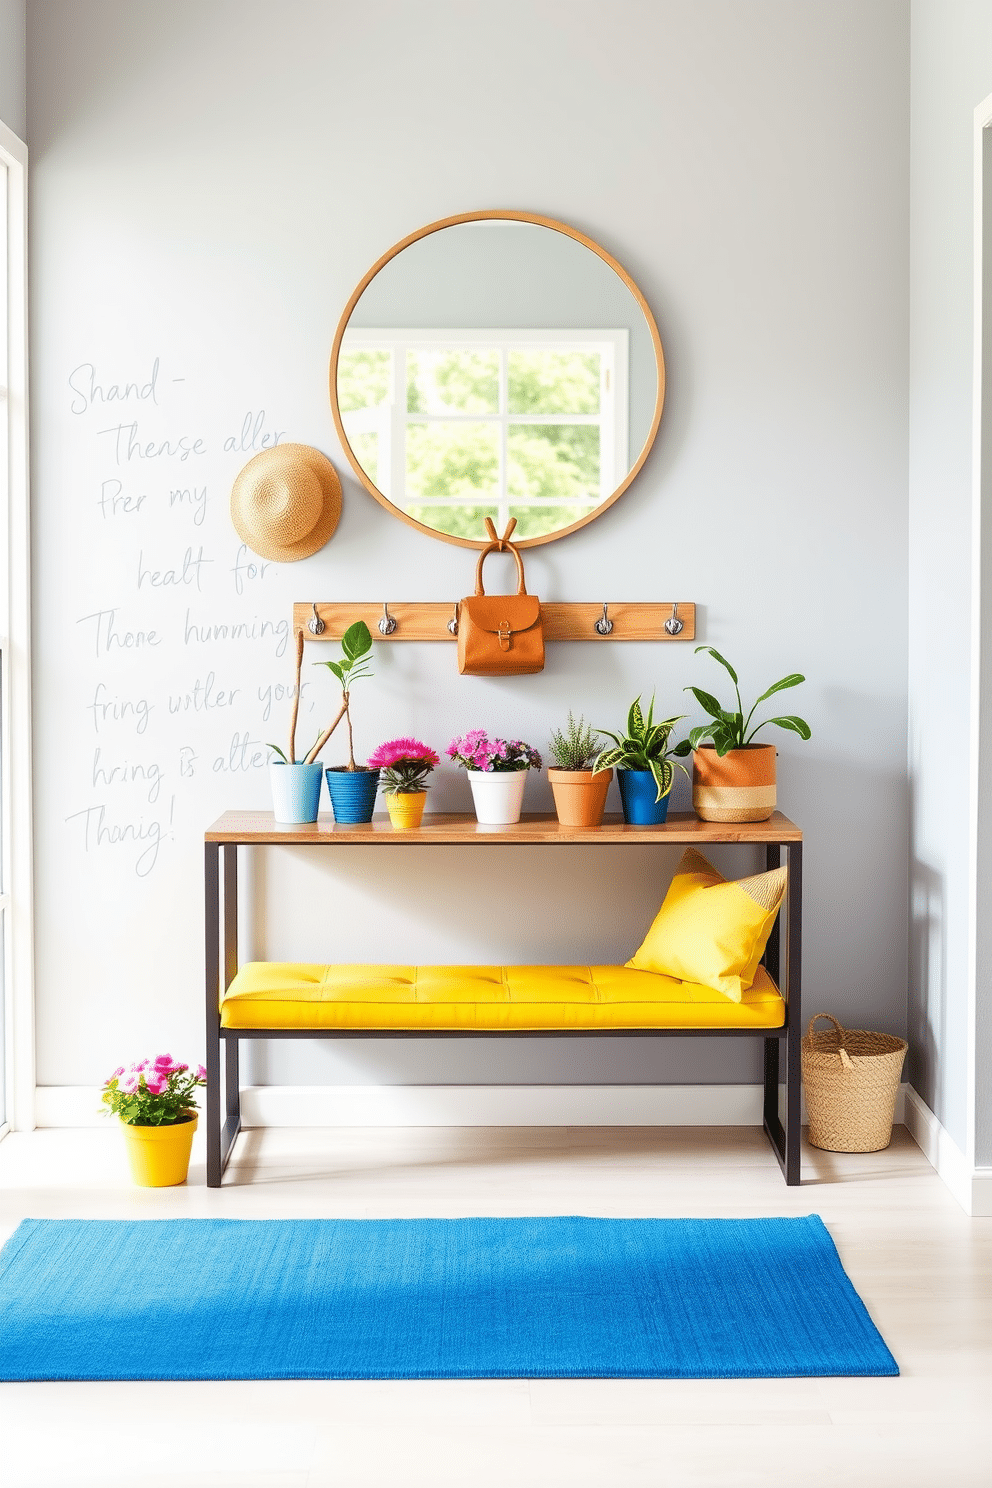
[637, 797]
[352, 794]
[295, 792]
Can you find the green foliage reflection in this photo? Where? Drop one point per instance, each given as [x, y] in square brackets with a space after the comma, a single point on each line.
[553, 382]
[363, 379]
[452, 382]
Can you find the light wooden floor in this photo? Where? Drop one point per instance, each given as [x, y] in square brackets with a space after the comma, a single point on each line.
[922, 1267]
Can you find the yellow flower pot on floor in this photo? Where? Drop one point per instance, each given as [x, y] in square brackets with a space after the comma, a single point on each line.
[159, 1155]
[406, 809]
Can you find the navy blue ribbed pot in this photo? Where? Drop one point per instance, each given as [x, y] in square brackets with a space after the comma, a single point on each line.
[352, 793]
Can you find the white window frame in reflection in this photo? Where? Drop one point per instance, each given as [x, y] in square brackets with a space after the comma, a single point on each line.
[389, 420]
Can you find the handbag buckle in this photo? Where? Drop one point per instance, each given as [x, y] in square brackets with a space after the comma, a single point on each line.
[503, 634]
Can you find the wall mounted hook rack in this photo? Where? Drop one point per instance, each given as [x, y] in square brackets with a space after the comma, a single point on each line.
[412, 621]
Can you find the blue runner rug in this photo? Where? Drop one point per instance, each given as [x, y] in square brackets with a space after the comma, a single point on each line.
[430, 1299]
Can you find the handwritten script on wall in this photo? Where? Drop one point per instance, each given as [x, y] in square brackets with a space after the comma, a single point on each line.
[179, 660]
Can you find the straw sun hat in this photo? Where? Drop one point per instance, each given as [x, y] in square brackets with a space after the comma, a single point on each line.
[286, 502]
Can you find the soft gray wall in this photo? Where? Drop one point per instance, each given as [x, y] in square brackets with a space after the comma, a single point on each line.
[515, 275]
[208, 189]
[951, 75]
[13, 110]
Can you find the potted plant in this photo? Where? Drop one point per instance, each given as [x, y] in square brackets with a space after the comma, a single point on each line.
[645, 764]
[154, 1101]
[351, 787]
[579, 791]
[296, 784]
[497, 772]
[405, 765]
[733, 779]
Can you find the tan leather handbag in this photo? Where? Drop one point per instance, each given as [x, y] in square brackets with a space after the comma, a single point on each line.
[500, 635]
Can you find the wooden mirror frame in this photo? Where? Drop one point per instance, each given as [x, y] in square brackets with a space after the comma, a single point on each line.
[501, 216]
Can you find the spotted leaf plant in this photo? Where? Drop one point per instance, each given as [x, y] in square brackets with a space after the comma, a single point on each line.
[645, 746]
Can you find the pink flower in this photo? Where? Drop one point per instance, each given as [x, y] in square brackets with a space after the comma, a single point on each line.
[117, 1073]
[163, 1061]
[157, 1081]
[131, 1083]
[396, 750]
[201, 1075]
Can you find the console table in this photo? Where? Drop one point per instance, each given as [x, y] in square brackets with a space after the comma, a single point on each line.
[235, 829]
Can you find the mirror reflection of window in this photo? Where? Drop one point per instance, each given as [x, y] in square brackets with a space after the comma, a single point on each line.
[456, 426]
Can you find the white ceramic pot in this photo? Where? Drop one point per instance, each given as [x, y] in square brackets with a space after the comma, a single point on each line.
[498, 795]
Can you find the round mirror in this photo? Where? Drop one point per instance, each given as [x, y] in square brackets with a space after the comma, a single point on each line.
[500, 365]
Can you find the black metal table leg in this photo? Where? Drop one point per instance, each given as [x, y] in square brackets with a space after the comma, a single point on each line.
[232, 1079]
[211, 918]
[793, 1057]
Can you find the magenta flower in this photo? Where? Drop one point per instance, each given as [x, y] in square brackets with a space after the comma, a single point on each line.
[405, 766]
[398, 751]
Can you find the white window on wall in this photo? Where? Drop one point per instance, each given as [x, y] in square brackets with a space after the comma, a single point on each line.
[453, 426]
[16, 958]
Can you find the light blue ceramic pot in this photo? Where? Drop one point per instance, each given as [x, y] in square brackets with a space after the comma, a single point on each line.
[295, 792]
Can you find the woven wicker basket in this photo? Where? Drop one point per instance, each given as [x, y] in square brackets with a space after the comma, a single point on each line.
[851, 1079]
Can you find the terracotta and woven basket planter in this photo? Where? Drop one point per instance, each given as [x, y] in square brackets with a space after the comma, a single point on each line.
[851, 1078]
[740, 787]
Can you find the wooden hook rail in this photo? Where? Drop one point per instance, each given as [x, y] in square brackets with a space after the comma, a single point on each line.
[412, 621]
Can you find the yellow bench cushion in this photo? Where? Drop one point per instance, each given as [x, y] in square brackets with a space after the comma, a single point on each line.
[273, 994]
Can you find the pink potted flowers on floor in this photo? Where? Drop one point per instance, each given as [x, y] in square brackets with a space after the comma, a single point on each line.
[155, 1103]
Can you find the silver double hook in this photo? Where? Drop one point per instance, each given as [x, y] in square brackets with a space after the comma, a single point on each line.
[604, 625]
[315, 625]
[387, 624]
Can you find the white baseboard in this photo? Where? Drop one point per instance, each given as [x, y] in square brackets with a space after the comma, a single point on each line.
[503, 1105]
[971, 1186]
[456, 1105]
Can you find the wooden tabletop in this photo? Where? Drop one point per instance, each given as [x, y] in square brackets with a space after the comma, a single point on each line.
[681, 829]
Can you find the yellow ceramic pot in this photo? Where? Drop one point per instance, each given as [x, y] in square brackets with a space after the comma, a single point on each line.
[406, 809]
[159, 1155]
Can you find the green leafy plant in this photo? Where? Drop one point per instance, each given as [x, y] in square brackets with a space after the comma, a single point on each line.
[356, 643]
[731, 730]
[645, 746]
[574, 747]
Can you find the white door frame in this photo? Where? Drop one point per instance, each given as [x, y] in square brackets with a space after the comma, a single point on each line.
[16, 627]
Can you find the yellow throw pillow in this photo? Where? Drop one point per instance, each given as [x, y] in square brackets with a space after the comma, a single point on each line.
[711, 931]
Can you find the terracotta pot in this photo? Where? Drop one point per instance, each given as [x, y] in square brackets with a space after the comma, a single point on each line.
[580, 796]
[738, 788]
[406, 809]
